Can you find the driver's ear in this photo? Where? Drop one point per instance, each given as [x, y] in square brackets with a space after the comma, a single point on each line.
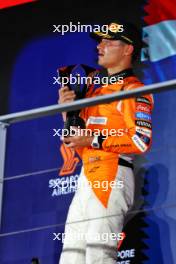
[128, 50]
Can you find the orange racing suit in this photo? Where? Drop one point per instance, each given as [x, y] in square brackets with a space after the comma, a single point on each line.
[132, 116]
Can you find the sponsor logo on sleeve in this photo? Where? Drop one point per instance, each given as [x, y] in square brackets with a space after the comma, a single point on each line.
[143, 108]
[139, 143]
[144, 131]
[143, 100]
[141, 123]
[144, 116]
[145, 139]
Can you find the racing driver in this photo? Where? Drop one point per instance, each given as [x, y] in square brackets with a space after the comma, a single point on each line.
[95, 213]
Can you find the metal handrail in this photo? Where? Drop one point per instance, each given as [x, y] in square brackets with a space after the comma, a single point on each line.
[78, 104]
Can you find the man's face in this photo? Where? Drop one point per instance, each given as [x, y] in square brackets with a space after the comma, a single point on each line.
[111, 52]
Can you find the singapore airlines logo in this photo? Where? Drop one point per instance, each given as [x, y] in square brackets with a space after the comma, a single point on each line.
[69, 160]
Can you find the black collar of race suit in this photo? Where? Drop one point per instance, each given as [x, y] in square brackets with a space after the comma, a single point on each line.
[117, 76]
[125, 73]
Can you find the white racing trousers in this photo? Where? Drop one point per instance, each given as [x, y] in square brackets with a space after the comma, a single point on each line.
[91, 231]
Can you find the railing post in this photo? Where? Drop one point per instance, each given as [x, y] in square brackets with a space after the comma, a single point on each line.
[3, 132]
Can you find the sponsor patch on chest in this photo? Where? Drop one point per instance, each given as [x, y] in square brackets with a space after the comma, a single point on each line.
[97, 120]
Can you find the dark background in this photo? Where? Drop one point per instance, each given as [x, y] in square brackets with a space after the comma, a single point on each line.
[22, 23]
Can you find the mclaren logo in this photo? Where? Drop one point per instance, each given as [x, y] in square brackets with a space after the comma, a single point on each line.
[69, 159]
